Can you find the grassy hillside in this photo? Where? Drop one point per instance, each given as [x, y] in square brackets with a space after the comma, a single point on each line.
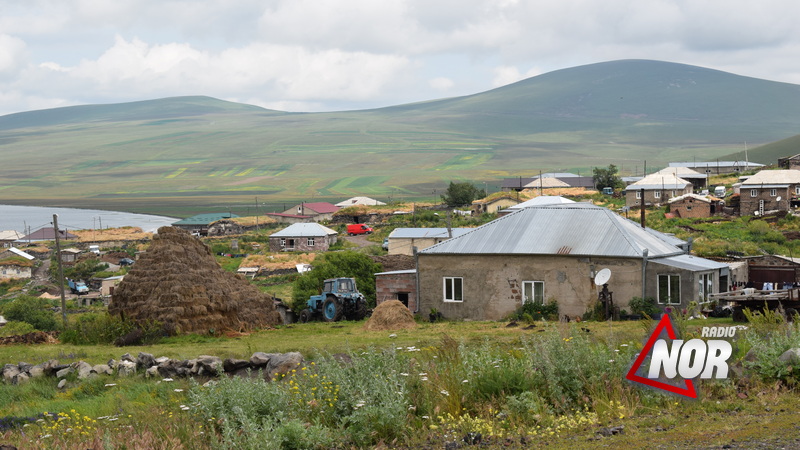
[190, 154]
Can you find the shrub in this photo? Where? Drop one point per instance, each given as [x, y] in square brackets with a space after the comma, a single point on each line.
[31, 310]
[14, 328]
[103, 328]
[644, 306]
[530, 311]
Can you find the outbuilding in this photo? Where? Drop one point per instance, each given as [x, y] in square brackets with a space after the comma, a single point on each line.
[302, 237]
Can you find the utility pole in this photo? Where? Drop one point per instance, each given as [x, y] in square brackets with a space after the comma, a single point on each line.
[60, 271]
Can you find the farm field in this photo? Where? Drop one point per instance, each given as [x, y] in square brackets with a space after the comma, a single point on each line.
[428, 366]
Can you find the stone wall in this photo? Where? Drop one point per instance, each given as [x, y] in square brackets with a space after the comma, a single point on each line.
[388, 286]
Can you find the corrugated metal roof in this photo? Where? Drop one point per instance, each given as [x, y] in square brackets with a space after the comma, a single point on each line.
[772, 177]
[575, 229]
[421, 233]
[204, 219]
[304, 230]
[359, 201]
[19, 252]
[541, 201]
[689, 262]
[659, 181]
[397, 272]
[705, 164]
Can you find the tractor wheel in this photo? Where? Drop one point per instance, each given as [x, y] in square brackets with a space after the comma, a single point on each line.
[305, 316]
[361, 310]
[332, 310]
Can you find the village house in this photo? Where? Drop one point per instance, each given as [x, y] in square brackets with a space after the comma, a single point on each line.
[403, 240]
[657, 189]
[547, 180]
[302, 237]
[306, 212]
[199, 224]
[8, 238]
[48, 234]
[16, 264]
[70, 255]
[769, 190]
[493, 204]
[552, 253]
[698, 180]
[355, 201]
[693, 205]
[790, 162]
[718, 167]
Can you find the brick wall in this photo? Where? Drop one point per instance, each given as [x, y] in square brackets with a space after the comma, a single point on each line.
[748, 203]
[388, 286]
[690, 207]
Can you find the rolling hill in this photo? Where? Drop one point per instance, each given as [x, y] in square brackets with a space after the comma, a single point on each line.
[188, 154]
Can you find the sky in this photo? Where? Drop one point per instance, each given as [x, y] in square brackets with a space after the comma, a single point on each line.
[334, 55]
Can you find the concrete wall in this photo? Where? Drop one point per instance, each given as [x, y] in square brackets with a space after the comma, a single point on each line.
[493, 206]
[14, 272]
[492, 284]
[389, 285]
[748, 204]
[405, 246]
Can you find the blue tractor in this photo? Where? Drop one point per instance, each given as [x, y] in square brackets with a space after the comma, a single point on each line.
[339, 300]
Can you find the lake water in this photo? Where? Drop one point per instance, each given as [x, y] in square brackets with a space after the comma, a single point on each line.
[35, 217]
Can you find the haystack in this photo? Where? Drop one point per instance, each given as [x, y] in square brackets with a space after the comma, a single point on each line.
[390, 315]
[179, 283]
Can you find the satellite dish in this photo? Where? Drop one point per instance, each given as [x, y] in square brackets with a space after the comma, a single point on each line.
[602, 277]
[778, 199]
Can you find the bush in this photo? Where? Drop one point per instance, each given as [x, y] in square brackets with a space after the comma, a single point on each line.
[645, 306]
[530, 311]
[333, 265]
[14, 328]
[31, 310]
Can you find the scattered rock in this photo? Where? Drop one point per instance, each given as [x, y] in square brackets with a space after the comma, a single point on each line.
[259, 359]
[62, 383]
[611, 431]
[126, 368]
[145, 361]
[790, 356]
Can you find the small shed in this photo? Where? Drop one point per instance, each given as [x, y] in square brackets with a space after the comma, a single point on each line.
[493, 204]
[397, 285]
[16, 264]
[70, 255]
[403, 240]
[107, 285]
[693, 205]
[303, 237]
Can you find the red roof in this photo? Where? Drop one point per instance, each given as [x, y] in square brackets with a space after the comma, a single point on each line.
[321, 207]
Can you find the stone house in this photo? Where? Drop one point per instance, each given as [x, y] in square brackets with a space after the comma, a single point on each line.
[8, 238]
[302, 237]
[698, 180]
[790, 162]
[693, 205]
[315, 212]
[16, 264]
[493, 205]
[769, 190]
[397, 285]
[657, 189]
[403, 240]
[552, 253]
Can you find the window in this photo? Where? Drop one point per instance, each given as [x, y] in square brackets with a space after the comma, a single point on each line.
[797, 190]
[773, 192]
[753, 192]
[669, 289]
[638, 194]
[657, 194]
[283, 242]
[533, 292]
[706, 287]
[453, 289]
[310, 241]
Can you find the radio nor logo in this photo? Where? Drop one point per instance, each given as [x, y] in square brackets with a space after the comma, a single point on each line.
[681, 362]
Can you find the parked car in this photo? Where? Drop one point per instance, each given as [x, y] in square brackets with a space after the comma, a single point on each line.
[385, 244]
[126, 262]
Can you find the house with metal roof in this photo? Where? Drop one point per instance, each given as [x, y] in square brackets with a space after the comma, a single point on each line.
[553, 253]
[655, 189]
[8, 237]
[16, 264]
[769, 190]
[698, 180]
[718, 167]
[402, 241]
[199, 224]
[547, 180]
[314, 212]
[302, 237]
[48, 234]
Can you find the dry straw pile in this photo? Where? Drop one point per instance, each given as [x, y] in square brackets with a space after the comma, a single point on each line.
[390, 315]
[178, 282]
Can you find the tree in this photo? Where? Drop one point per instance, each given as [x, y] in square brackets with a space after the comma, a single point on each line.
[334, 265]
[460, 194]
[606, 177]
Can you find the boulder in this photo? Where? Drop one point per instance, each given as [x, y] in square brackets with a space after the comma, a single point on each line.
[103, 369]
[126, 368]
[63, 373]
[127, 357]
[282, 363]
[36, 371]
[84, 370]
[209, 365]
[10, 371]
[50, 367]
[62, 383]
[151, 372]
[233, 365]
[259, 359]
[145, 361]
[791, 356]
[19, 378]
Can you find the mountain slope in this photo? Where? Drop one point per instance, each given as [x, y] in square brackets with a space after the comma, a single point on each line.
[189, 151]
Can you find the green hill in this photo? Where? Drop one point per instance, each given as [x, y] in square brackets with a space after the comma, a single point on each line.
[188, 154]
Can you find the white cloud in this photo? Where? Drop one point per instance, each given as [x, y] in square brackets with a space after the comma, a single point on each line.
[441, 83]
[13, 55]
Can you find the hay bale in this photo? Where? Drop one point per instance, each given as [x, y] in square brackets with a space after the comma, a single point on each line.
[179, 282]
[390, 315]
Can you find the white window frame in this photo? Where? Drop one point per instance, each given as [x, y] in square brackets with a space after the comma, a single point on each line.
[283, 242]
[310, 241]
[706, 287]
[657, 194]
[773, 192]
[455, 285]
[670, 295]
[530, 286]
[638, 194]
[797, 190]
[753, 192]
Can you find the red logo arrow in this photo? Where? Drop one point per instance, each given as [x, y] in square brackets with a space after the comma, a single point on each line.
[664, 324]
